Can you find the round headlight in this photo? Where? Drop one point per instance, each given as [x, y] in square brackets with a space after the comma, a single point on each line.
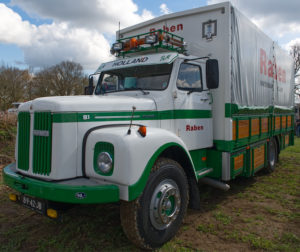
[105, 162]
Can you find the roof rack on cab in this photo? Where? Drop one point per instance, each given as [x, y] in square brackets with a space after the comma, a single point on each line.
[154, 41]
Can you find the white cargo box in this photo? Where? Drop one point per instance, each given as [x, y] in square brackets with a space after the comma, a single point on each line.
[254, 72]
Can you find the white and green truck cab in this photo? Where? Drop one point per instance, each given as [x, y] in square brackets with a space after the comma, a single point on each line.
[195, 96]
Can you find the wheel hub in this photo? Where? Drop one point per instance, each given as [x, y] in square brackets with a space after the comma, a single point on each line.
[272, 154]
[165, 204]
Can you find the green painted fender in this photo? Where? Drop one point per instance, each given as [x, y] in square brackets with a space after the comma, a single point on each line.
[136, 189]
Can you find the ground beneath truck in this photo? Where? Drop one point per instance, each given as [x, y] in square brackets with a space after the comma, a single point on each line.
[259, 214]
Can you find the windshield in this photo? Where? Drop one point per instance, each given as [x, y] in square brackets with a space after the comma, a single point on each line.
[152, 77]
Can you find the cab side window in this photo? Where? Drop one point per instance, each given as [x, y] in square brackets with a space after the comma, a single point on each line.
[108, 83]
[189, 77]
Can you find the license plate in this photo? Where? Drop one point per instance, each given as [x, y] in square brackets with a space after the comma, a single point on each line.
[33, 203]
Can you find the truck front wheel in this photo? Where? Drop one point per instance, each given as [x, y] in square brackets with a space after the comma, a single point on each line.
[156, 215]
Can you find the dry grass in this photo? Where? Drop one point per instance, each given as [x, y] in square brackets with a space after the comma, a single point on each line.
[8, 118]
[8, 128]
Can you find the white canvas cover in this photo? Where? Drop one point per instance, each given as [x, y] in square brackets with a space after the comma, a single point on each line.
[284, 88]
[261, 70]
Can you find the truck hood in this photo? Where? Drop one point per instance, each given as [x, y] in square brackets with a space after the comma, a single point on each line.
[89, 103]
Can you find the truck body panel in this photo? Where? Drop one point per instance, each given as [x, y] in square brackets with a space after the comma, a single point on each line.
[255, 72]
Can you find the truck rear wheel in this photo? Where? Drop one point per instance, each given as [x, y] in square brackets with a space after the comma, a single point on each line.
[272, 155]
[156, 215]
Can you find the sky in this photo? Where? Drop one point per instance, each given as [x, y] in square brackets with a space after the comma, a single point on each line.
[39, 33]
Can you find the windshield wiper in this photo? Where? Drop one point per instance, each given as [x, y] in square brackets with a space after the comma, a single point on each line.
[142, 90]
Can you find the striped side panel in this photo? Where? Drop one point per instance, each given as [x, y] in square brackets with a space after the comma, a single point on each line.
[287, 140]
[284, 122]
[259, 156]
[238, 162]
[234, 130]
[254, 126]
[277, 123]
[264, 125]
[243, 128]
[289, 121]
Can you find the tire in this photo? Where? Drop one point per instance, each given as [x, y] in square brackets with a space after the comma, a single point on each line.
[156, 215]
[272, 156]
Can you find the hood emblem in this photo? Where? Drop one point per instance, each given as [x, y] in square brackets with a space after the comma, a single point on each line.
[80, 195]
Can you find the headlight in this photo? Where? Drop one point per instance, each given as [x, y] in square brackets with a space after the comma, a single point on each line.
[104, 162]
[118, 46]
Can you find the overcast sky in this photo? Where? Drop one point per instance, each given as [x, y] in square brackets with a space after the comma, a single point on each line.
[40, 33]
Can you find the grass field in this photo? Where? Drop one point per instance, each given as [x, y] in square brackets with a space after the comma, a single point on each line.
[257, 214]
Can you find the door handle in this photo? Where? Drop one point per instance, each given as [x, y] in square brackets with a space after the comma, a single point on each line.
[204, 99]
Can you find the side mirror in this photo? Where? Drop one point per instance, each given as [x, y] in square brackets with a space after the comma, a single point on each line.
[212, 74]
[86, 90]
[90, 88]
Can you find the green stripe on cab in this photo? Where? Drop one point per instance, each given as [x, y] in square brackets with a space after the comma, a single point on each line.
[126, 115]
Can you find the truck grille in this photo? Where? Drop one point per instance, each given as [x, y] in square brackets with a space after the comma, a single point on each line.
[23, 140]
[42, 143]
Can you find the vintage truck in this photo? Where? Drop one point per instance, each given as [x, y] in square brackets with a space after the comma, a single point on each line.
[196, 96]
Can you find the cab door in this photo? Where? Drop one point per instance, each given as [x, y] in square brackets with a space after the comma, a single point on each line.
[192, 106]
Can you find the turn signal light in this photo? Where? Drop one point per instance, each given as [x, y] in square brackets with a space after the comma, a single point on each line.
[133, 43]
[12, 197]
[143, 131]
[52, 213]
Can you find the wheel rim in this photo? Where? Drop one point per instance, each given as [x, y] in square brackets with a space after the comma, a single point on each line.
[165, 204]
[272, 154]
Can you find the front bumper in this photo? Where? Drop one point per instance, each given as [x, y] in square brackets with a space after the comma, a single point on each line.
[77, 191]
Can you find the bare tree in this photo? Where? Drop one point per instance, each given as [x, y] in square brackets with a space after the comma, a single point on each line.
[295, 53]
[12, 85]
[41, 84]
[65, 78]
